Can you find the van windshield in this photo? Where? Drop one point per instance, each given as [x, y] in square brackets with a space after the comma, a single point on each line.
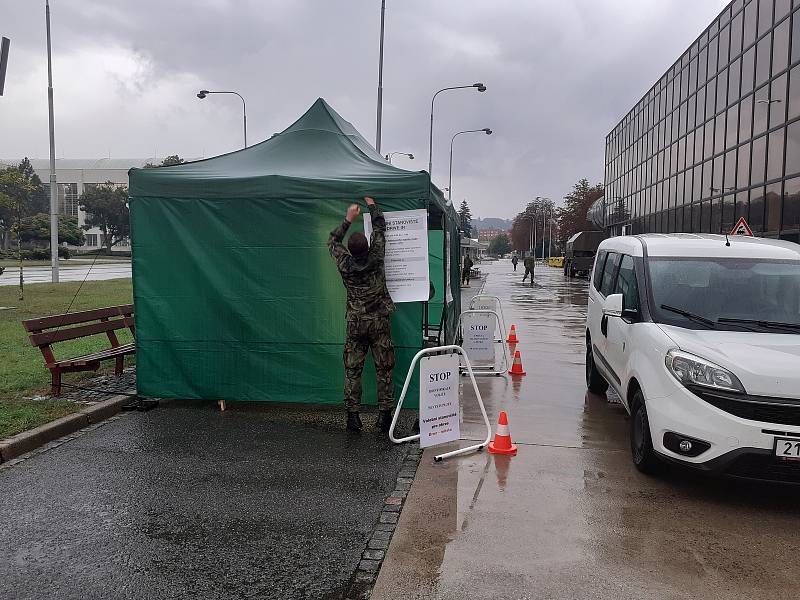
[726, 293]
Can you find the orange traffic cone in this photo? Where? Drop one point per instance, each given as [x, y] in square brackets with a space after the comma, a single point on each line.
[512, 335]
[502, 438]
[516, 368]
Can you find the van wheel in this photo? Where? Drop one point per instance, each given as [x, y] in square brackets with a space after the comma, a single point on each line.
[642, 453]
[594, 380]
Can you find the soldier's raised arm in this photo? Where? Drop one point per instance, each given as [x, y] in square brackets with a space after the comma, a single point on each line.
[335, 246]
[377, 242]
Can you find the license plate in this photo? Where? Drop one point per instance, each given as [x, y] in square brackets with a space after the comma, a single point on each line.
[787, 448]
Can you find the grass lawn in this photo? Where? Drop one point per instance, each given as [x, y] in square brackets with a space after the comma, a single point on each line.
[22, 371]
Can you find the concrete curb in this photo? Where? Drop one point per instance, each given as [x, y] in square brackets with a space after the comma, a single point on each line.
[26, 441]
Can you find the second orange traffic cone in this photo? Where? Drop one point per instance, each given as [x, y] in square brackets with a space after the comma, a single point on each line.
[502, 438]
[516, 368]
[512, 335]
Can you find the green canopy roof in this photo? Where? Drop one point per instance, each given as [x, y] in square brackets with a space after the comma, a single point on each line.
[319, 156]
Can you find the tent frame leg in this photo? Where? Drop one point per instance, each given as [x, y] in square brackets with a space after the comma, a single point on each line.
[221, 404]
[441, 350]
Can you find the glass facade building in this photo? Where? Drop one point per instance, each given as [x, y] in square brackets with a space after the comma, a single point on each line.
[718, 136]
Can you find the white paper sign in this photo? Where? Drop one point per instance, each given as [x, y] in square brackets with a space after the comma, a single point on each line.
[477, 330]
[406, 261]
[438, 400]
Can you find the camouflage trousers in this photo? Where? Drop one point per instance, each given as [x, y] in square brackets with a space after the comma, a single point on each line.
[362, 335]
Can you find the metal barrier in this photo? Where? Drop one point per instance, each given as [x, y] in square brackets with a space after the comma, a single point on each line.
[503, 331]
[487, 369]
[411, 438]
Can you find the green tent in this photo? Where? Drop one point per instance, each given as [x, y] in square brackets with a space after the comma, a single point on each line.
[236, 296]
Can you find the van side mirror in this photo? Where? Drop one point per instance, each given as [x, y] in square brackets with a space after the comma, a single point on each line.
[612, 307]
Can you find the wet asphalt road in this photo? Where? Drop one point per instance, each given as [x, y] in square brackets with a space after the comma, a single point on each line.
[68, 272]
[569, 516]
[184, 501]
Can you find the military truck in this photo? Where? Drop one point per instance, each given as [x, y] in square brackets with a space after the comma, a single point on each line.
[581, 248]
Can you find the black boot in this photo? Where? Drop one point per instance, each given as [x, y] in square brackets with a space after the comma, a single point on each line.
[384, 420]
[354, 422]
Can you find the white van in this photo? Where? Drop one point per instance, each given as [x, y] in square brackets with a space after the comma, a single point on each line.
[700, 337]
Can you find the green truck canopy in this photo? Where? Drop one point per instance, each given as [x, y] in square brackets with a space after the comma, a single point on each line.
[235, 294]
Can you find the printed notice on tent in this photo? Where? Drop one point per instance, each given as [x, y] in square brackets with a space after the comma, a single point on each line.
[406, 260]
[438, 400]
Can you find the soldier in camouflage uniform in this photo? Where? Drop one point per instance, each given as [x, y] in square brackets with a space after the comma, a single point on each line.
[369, 308]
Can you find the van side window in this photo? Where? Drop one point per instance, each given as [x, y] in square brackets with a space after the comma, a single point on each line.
[609, 272]
[627, 286]
[598, 269]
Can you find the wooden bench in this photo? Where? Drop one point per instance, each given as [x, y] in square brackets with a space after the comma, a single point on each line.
[46, 331]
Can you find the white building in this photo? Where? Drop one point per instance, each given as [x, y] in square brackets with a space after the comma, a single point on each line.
[75, 175]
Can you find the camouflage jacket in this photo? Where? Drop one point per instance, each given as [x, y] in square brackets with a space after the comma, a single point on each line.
[364, 278]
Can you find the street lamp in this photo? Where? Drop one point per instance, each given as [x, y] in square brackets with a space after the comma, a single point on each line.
[53, 185]
[203, 93]
[391, 154]
[485, 130]
[479, 86]
[380, 83]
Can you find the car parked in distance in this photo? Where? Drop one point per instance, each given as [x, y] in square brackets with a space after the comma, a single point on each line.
[700, 337]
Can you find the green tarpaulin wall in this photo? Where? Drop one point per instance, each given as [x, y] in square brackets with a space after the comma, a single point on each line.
[236, 296]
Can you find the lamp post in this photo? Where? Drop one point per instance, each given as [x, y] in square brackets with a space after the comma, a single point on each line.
[485, 130]
[391, 154]
[203, 93]
[53, 183]
[380, 82]
[479, 86]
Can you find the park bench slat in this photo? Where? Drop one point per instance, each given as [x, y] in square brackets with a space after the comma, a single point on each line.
[71, 333]
[97, 356]
[57, 321]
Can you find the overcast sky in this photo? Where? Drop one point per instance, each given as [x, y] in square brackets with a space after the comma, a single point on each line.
[560, 73]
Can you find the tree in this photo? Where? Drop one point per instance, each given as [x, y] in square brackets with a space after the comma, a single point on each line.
[36, 228]
[537, 211]
[171, 160]
[106, 208]
[572, 217]
[466, 218]
[38, 200]
[14, 193]
[500, 245]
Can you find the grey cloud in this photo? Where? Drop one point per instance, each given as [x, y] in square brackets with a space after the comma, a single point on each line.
[560, 74]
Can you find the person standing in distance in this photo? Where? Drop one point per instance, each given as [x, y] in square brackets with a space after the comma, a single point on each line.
[514, 261]
[368, 314]
[467, 270]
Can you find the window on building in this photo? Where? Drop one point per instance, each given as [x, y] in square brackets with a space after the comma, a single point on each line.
[780, 47]
[748, 70]
[761, 110]
[764, 15]
[756, 220]
[782, 7]
[722, 90]
[777, 101]
[730, 170]
[758, 160]
[794, 92]
[713, 45]
[91, 240]
[775, 154]
[728, 212]
[68, 199]
[742, 205]
[796, 36]
[772, 205]
[749, 34]
[743, 166]
[736, 36]
[733, 81]
[763, 53]
[793, 148]
[791, 204]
